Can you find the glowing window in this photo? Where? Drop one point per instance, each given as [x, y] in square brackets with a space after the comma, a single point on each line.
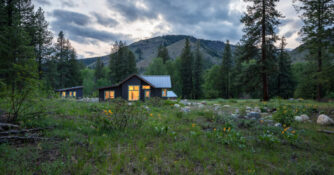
[109, 94]
[74, 94]
[146, 87]
[64, 94]
[133, 93]
[147, 94]
[71, 94]
[164, 92]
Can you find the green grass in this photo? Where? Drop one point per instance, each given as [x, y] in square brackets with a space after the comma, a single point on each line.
[193, 143]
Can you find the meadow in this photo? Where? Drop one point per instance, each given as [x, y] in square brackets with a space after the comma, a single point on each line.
[158, 137]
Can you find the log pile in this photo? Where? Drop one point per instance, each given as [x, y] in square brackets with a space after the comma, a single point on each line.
[10, 133]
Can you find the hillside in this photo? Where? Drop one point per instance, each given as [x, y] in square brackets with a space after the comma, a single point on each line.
[211, 50]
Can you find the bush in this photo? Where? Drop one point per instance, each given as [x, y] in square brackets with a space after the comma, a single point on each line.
[229, 137]
[284, 115]
[121, 116]
[155, 101]
[269, 139]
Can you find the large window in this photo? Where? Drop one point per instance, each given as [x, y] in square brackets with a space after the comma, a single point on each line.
[133, 93]
[109, 95]
[63, 94]
[74, 94]
[70, 93]
[146, 87]
[164, 92]
[147, 93]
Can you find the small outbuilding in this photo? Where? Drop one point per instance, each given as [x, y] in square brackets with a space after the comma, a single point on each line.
[75, 92]
[138, 87]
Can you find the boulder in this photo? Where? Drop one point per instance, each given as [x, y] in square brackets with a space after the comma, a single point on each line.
[237, 111]
[253, 115]
[257, 109]
[302, 118]
[278, 125]
[176, 105]
[226, 106]
[324, 120]
[185, 109]
[248, 108]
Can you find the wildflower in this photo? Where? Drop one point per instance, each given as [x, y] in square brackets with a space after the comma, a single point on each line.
[229, 129]
[224, 129]
[293, 132]
[282, 132]
[214, 129]
[159, 115]
[193, 125]
[284, 125]
[261, 121]
[151, 115]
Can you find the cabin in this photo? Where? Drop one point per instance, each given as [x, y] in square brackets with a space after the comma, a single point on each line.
[74, 92]
[138, 87]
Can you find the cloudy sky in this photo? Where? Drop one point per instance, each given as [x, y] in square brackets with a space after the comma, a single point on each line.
[93, 25]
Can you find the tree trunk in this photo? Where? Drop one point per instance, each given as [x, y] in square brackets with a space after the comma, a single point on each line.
[263, 59]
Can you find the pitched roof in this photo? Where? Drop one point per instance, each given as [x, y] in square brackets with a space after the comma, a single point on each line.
[158, 81]
[70, 88]
[171, 94]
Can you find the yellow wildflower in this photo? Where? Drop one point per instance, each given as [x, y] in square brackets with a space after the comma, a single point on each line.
[105, 111]
[261, 121]
[151, 115]
[282, 132]
[193, 125]
[224, 129]
[293, 132]
[214, 129]
[284, 125]
[229, 129]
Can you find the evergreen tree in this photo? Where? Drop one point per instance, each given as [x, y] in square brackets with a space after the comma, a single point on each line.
[260, 23]
[197, 73]
[122, 63]
[43, 40]
[186, 70]
[210, 85]
[285, 85]
[99, 70]
[139, 52]
[318, 18]
[225, 72]
[163, 53]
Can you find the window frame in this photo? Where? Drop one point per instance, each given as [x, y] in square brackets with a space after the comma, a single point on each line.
[162, 91]
[133, 88]
[109, 94]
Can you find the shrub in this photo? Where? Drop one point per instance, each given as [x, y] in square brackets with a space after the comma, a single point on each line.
[121, 116]
[155, 101]
[179, 114]
[229, 137]
[289, 135]
[284, 115]
[269, 139]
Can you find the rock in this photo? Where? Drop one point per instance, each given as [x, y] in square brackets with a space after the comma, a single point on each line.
[291, 99]
[177, 105]
[253, 115]
[278, 125]
[324, 120]
[147, 108]
[185, 109]
[237, 111]
[257, 109]
[302, 118]
[235, 115]
[204, 103]
[248, 108]
[200, 105]
[263, 114]
[226, 106]
[130, 104]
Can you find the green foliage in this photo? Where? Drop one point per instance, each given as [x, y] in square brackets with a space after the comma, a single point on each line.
[155, 101]
[210, 87]
[269, 139]
[186, 71]
[284, 115]
[163, 53]
[225, 72]
[229, 136]
[157, 67]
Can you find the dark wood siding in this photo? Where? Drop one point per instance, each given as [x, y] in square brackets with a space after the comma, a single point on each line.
[79, 92]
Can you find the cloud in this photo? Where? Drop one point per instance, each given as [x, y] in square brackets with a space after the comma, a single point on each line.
[43, 2]
[106, 21]
[76, 25]
[68, 3]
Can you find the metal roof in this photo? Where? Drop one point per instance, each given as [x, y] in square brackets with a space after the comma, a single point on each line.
[71, 88]
[171, 94]
[158, 81]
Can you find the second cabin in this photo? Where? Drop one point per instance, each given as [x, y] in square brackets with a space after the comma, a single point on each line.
[139, 87]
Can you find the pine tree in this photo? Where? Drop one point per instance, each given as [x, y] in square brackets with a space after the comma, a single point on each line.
[156, 67]
[318, 18]
[285, 85]
[163, 53]
[43, 40]
[186, 70]
[225, 72]
[197, 73]
[99, 70]
[260, 23]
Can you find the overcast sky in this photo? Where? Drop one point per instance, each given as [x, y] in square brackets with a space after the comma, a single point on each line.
[93, 25]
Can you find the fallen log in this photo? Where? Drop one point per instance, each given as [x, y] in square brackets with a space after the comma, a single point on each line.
[326, 131]
[5, 139]
[9, 132]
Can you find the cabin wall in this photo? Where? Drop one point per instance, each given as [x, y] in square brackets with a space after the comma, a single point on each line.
[117, 91]
[132, 81]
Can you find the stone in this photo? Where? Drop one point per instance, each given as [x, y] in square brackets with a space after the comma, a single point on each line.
[237, 111]
[147, 108]
[226, 106]
[253, 115]
[235, 115]
[177, 105]
[200, 105]
[302, 118]
[248, 108]
[324, 120]
[278, 125]
[257, 109]
[130, 104]
[185, 109]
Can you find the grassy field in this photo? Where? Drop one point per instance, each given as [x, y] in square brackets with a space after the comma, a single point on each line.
[158, 138]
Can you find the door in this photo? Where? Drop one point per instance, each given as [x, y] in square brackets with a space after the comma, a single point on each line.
[133, 94]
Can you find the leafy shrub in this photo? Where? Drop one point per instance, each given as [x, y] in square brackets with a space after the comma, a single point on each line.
[160, 130]
[284, 115]
[169, 102]
[121, 116]
[246, 123]
[312, 168]
[229, 137]
[269, 139]
[289, 135]
[155, 101]
[179, 114]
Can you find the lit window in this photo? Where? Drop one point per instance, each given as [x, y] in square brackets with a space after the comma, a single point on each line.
[64, 94]
[164, 92]
[133, 93]
[146, 87]
[147, 94]
[71, 94]
[109, 94]
[74, 94]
